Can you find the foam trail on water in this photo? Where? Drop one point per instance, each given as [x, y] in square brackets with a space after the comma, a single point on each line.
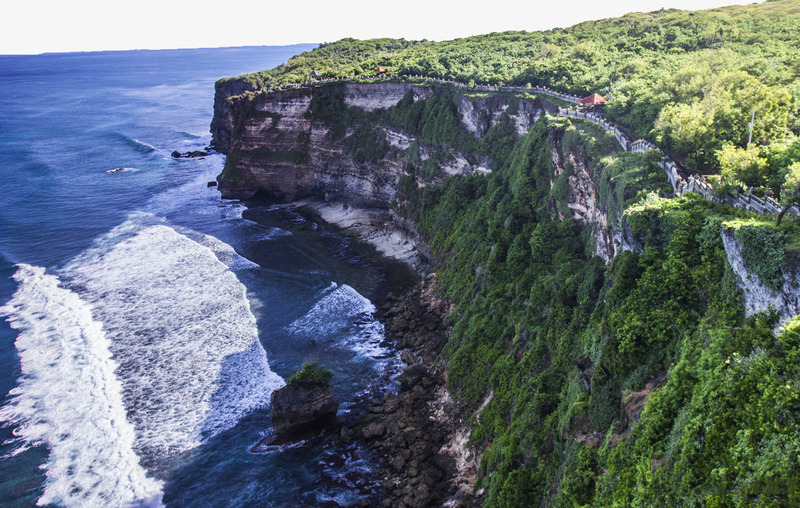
[69, 399]
[181, 330]
[343, 312]
[224, 252]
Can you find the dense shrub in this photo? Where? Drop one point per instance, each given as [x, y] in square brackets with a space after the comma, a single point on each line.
[311, 374]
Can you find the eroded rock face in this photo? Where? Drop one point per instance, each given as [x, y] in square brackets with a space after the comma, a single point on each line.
[757, 296]
[223, 123]
[277, 147]
[583, 201]
[299, 407]
[478, 116]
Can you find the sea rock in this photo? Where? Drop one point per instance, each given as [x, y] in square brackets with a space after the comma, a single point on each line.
[411, 376]
[188, 155]
[301, 407]
[408, 357]
[374, 429]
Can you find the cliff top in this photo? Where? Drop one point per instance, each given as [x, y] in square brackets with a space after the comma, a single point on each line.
[686, 80]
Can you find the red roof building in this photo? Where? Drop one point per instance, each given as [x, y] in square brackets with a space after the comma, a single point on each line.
[380, 70]
[593, 100]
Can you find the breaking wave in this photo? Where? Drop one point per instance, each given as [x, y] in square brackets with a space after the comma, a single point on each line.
[70, 400]
[142, 348]
[181, 329]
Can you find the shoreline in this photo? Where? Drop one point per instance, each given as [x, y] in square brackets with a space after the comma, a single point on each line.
[417, 443]
[416, 434]
[370, 226]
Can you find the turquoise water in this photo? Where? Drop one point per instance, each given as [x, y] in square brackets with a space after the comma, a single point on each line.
[145, 321]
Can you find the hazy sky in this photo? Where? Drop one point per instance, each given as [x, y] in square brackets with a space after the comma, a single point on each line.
[90, 25]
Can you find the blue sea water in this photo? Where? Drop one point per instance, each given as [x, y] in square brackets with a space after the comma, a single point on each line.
[145, 322]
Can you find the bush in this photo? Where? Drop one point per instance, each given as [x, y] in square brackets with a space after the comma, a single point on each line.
[762, 250]
[311, 374]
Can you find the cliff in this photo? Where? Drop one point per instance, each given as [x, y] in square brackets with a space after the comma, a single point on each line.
[285, 144]
[759, 295]
[583, 201]
[222, 124]
[590, 301]
[335, 147]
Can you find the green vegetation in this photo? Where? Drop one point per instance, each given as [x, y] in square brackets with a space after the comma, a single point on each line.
[311, 374]
[637, 383]
[720, 426]
[762, 249]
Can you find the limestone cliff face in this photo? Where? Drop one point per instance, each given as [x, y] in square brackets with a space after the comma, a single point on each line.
[757, 296]
[223, 123]
[478, 116]
[278, 146]
[583, 201]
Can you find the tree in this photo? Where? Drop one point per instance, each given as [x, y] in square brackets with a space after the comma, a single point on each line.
[790, 191]
[743, 165]
[686, 130]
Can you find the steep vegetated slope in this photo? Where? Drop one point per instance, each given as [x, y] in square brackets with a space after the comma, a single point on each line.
[613, 344]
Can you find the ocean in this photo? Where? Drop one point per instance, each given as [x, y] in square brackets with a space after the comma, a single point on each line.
[145, 322]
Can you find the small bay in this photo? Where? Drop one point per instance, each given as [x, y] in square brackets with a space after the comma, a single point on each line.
[147, 321]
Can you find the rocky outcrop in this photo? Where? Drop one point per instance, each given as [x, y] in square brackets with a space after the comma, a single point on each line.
[275, 144]
[189, 155]
[413, 431]
[757, 296]
[298, 407]
[583, 201]
[480, 115]
[224, 121]
[279, 146]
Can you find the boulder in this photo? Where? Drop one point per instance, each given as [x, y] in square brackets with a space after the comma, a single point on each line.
[408, 357]
[301, 407]
[374, 429]
[411, 376]
[189, 155]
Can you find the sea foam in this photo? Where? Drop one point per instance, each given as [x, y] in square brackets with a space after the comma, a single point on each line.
[341, 311]
[181, 330]
[69, 399]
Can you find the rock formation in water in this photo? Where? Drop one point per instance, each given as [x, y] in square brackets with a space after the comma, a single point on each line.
[305, 403]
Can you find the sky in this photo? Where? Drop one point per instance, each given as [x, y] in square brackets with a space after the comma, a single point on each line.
[95, 25]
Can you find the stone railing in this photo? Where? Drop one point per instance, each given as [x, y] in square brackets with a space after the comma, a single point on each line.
[694, 183]
[622, 138]
[680, 185]
[642, 146]
[755, 204]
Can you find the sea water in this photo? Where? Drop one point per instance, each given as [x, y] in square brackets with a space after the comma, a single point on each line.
[145, 322]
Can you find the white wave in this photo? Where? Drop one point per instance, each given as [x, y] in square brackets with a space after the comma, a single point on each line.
[69, 399]
[181, 330]
[142, 146]
[196, 192]
[272, 233]
[224, 252]
[343, 312]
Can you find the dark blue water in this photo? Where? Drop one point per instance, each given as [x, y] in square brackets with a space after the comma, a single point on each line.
[147, 322]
